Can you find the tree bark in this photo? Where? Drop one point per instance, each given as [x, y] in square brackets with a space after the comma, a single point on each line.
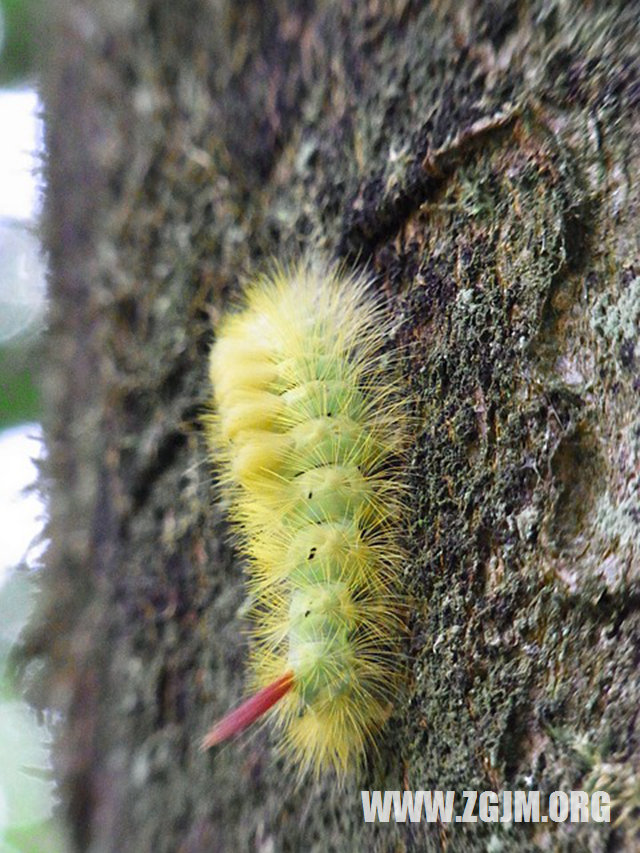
[479, 158]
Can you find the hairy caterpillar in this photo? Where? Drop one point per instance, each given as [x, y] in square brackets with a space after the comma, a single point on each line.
[308, 428]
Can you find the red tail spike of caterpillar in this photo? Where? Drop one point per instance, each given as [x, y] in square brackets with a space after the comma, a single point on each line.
[240, 718]
[309, 430]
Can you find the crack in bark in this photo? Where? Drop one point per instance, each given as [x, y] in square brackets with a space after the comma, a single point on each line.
[363, 230]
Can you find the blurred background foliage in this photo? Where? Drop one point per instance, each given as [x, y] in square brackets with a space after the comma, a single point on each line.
[27, 788]
[21, 265]
[18, 44]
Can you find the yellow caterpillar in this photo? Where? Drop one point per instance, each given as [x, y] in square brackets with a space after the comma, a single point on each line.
[308, 429]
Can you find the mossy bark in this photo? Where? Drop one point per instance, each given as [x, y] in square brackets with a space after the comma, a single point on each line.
[479, 158]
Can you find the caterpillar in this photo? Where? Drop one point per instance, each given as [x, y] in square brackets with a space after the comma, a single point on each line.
[309, 429]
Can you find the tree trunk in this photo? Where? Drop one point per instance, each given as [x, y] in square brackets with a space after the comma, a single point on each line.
[478, 157]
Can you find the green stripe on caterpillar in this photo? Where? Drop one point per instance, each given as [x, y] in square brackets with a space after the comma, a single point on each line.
[309, 429]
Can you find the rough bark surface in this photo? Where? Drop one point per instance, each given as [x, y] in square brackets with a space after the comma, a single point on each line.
[479, 157]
